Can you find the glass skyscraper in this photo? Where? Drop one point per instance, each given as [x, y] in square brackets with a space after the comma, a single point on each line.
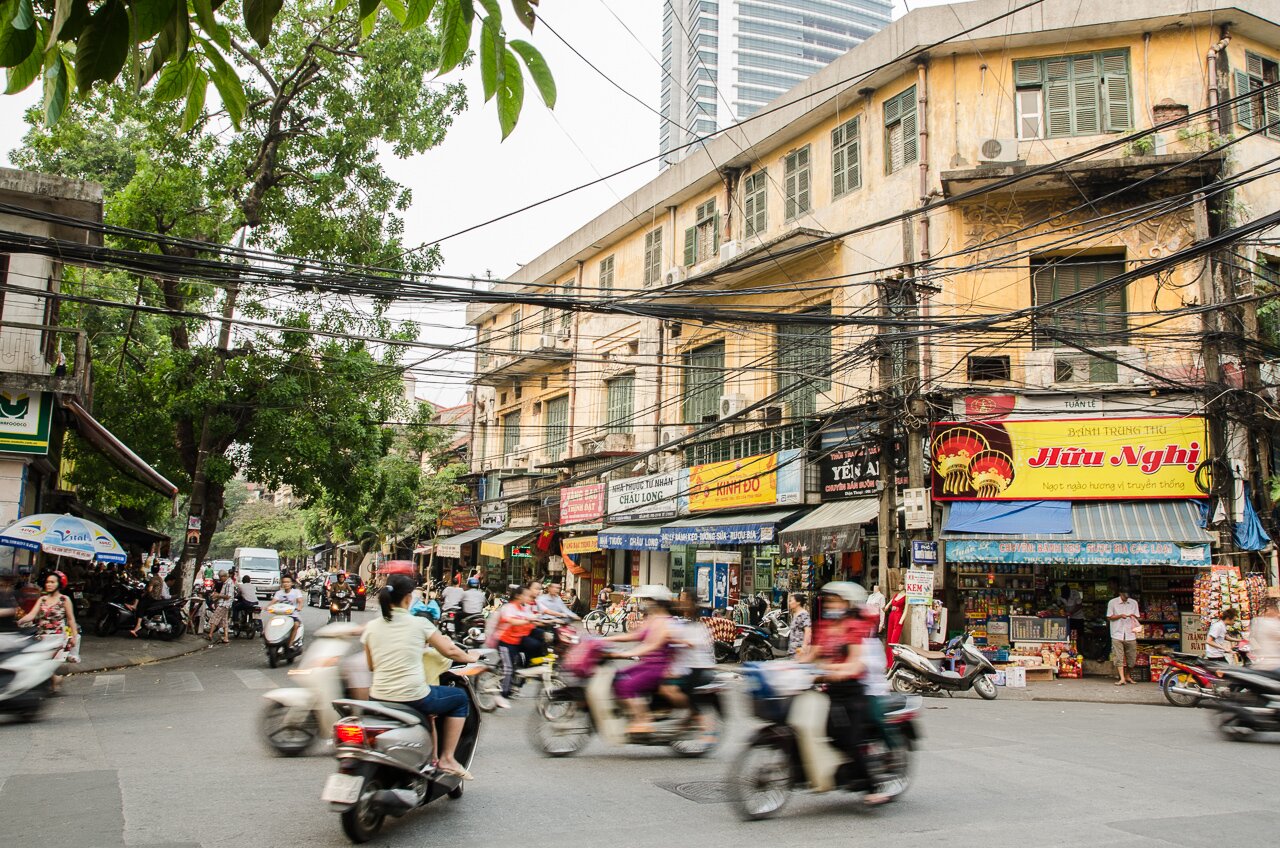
[723, 60]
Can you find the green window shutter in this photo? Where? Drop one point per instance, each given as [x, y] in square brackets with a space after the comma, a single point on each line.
[1027, 72]
[853, 157]
[910, 133]
[789, 187]
[690, 245]
[620, 403]
[511, 433]
[1085, 95]
[760, 221]
[1057, 104]
[802, 181]
[715, 240]
[748, 209]
[1244, 107]
[557, 433]
[1253, 64]
[838, 162]
[704, 382]
[893, 109]
[1116, 90]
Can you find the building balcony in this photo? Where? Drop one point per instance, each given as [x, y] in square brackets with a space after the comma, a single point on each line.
[551, 349]
[29, 360]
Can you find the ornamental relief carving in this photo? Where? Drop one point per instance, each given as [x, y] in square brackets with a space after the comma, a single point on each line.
[993, 228]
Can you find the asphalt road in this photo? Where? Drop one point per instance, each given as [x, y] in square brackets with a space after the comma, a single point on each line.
[169, 755]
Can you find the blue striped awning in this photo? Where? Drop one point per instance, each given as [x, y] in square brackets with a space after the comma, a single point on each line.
[1117, 521]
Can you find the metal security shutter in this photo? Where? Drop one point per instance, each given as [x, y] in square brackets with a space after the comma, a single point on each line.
[557, 419]
[620, 403]
[703, 382]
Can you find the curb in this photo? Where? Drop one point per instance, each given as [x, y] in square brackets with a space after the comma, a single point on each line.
[78, 668]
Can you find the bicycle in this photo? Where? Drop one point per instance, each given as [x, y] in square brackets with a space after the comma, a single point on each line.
[602, 623]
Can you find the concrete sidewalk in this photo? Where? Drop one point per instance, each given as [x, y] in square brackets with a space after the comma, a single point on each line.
[1096, 690]
[122, 651]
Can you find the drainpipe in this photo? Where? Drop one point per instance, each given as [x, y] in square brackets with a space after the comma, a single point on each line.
[922, 125]
[573, 357]
[1212, 56]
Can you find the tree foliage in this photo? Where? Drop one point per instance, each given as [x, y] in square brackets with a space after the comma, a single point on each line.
[173, 50]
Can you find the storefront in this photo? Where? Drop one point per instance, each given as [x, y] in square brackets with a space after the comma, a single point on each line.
[827, 544]
[1046, 520]
[752, 537]
[457, 553]
[507, 557]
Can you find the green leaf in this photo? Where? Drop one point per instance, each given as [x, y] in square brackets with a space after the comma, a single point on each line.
[492, 10]
[259, 15]
[510, 95]
[150, 16]
[61, 11]
[367, 25]
[57, 88]
[15, 44]
[397, 9]
[194, 109]
[228, 83]
[103, 46]
[492, 50]
[368, 7]
[340, 5]
[75, 23]
[175, 79]
[419, 11]
[20, 76]
[538, 69]
[455, 33]
[524, 11]
[209, 24]
[24, 17]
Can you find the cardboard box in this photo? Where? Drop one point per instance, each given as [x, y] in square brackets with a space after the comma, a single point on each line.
[998, 678]
[1015, 677]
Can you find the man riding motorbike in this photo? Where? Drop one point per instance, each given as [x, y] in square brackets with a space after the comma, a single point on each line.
[472, 598]
[838, 648]
[636, 684]
[694, 660]
[246, 599]
[286, 594]
[341, 591]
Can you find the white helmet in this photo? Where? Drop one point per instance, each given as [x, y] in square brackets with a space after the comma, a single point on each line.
[852, 593]
[655, 592]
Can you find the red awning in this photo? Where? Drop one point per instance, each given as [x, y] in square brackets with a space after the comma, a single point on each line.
[117, 451]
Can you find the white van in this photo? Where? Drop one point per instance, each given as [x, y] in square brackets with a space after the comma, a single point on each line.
[263, 567]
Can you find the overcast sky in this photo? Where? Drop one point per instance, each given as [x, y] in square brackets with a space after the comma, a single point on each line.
[472, 177]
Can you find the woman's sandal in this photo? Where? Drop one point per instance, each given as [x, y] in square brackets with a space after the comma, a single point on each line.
[462, 773]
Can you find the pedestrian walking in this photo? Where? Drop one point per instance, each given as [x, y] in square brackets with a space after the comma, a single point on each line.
[1122, 612]
[222, 611]
[54, 618]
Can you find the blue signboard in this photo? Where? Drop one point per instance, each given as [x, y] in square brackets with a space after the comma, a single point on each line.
[1047, 552]
[624, 540]
[720, 534]
[925, 553]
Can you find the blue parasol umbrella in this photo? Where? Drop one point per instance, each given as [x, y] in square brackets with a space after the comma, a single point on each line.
[63, 535]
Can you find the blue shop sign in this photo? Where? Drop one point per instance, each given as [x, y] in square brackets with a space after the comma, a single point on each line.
[610, 540]
[720, 534]
[1065, 552]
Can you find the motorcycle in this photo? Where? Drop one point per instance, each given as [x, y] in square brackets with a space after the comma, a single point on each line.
[275, 635]
[585, 704]
[1250, 705]
[1189, 679]
[27, 667]
[385, 760]
[340, 606]
[295, 717]
[162, 618]
[465, 629]
[964, 668]
[771, 640]
[245, 623]
[792, 751]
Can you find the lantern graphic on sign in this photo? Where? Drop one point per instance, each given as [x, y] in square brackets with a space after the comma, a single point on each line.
[953, 451]
[992, 472]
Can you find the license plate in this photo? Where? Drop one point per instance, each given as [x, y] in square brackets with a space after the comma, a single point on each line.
[342, 789]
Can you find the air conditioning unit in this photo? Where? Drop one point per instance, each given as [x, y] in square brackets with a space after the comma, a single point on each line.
[998, 150]
[619, 442]
[673, 276]
[731, 405]
[548, 341]
[729, 250]
[515, 460]
[1068, 366]
[673, 433]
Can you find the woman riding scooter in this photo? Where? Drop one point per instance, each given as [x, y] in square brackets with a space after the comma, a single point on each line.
[837, 649]
[635, 685]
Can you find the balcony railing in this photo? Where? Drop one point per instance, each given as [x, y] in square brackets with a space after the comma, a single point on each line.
[29, 359]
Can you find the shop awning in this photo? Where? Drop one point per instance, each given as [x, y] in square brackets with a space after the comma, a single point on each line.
[631, 537]
[1166, 533]
[1009, 517]
[451, 546]
[497, 546]
[831, 528]
[734, 528]
[117, 451]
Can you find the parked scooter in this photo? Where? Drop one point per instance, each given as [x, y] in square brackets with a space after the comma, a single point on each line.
[275, 635]
[246, 623]
[27, 666]
[963, 668]
[295, 717]
[769, 641]
[465, 629]
[385, 757]
[583, 705]
[793, 751]
[1249, 706]
[161, 618]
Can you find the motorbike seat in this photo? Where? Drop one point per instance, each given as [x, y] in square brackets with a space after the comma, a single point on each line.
[388, 709]
[1262, 680]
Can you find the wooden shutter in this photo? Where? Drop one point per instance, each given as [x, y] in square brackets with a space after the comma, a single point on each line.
[1085, 93]
[749, 207]
[1057, 98]
[1253, 65]
[893, 151]
[789, 187]
[1027, 72]
[837, 161]
[853, 156]
[802, 181]
[910, 131]
[715, 238]
[1115, 91]
[1244, 105]
[690, 245]
[761, 220]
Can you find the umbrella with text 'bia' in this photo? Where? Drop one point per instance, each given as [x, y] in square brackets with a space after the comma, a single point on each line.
[63, 535]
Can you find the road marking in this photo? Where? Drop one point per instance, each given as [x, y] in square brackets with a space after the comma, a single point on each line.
[252, 678]
[183, 681]
[108, 683]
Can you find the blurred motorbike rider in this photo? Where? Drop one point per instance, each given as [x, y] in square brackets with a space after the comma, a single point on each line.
[550, 602]
[451, 598]
[472, 599]
[838, 650]
[635, 685]
[694, 660]
[516, 621]
[341, 588]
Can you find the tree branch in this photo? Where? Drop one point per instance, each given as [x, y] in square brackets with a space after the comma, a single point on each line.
[253, 60]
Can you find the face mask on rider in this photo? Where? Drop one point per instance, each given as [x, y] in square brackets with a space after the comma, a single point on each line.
[832, 613]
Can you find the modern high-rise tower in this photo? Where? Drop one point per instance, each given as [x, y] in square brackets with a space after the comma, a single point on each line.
[722, 60]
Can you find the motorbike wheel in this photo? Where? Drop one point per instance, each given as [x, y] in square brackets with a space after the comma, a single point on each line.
[1182, 680]
[761, 781]
[363, 820]
[699, 743]
[563, 735]
[985, 688]
[107, 624]
[487, 686]
[1230, 727]
[755, 652]
[288, 740]
[456, 792]
[902, 684]
[724, 653]
[895, 771]
[273, 657]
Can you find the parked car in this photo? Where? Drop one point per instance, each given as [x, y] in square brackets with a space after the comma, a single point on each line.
[318, 594]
